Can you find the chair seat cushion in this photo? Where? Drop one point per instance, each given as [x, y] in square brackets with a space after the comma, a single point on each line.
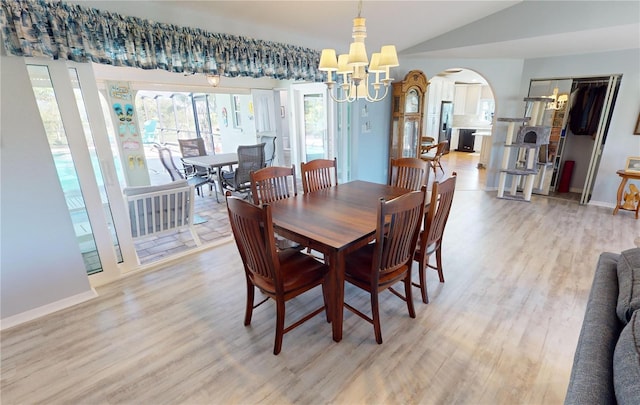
[299, 270]
[196, 181]
[358, 265]
[227, 175]
[430, 249]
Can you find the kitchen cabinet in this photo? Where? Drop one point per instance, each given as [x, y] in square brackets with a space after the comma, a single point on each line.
[467, 99]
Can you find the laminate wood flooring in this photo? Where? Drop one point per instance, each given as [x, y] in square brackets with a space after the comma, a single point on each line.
[502, 329]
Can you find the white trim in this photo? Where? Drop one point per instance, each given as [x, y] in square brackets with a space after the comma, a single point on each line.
[601, 204]
[48, 309]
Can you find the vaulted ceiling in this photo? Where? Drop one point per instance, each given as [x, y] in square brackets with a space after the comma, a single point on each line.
[456, 29]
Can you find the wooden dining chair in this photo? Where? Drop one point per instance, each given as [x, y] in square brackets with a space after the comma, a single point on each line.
[280, 275]
[318, 174]
[273, 183]
[433, 158]
[409, 173]
[378, 266]
[431, 235]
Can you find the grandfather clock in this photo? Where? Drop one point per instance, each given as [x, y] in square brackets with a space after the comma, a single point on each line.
[407, 115]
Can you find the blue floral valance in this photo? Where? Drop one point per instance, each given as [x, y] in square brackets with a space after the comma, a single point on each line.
[70, 32]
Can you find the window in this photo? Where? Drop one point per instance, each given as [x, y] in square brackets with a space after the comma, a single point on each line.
[237, 114]
[169, 116]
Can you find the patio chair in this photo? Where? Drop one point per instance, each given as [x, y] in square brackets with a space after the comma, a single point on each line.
[193, 147]
[167, 161]
[250, 158]
[269, 149]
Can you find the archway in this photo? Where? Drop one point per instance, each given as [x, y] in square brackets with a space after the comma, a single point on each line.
[460, 108]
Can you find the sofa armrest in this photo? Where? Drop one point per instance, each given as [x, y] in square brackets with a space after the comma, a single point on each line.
[591, 379]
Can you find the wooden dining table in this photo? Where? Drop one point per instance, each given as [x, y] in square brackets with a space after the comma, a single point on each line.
[333, 221]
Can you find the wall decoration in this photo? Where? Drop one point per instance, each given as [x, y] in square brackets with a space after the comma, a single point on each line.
[636, 131]
[366, 127]
[225, 117]
[130, 147]
[631, 198]
[633, 165]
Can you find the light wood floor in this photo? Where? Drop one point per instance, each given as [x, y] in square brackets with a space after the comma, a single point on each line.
[502, 329]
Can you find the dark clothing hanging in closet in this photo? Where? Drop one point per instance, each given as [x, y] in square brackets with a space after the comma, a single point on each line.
[585, 112]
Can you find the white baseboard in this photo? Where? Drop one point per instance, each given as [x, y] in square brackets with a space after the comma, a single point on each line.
[602, 204]
[35, 313]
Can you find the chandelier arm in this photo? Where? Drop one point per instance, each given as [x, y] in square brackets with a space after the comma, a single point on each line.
[376, 98]
[337, 100]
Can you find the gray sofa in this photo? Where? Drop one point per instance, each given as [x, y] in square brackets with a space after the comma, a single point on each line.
[606, 365]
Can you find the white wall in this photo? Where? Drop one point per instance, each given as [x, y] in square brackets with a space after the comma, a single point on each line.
[620, 142]
[231, 136]
[370, 153]
[40, 263]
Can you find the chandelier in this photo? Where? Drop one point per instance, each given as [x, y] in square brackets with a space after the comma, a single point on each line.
[360, 79]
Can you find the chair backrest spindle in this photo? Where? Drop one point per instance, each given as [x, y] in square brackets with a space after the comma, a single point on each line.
[318, 174]
[409, 173]
[273, 183]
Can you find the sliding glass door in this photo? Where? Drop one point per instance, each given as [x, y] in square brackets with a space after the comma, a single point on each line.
[314, 140]
[322, 127]
[84, 164]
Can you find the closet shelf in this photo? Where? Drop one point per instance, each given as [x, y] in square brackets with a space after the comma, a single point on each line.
[519, 172]
[522, 145]
[543, 99]
[521, 119]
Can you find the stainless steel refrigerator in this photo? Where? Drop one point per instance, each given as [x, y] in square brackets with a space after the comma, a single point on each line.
[446, 117]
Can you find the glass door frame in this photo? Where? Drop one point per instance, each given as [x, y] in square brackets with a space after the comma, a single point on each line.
[599, 138]
[299, 145]
[73, 127]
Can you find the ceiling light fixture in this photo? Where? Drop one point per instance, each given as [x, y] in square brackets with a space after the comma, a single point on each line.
[213, 80]
[356, 71]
